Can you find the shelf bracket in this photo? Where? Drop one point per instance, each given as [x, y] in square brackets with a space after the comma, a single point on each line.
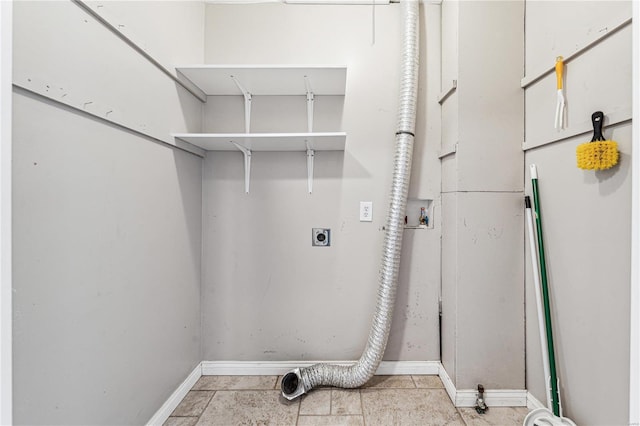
[247, 105]
[246, 152]
[310, 99]
[310, 155]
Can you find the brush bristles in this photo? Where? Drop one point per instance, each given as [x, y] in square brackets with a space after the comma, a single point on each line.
[599, 155]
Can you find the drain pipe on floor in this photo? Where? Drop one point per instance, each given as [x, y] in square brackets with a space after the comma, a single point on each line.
[301, 380]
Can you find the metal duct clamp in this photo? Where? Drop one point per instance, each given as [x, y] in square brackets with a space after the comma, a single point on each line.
[292, 386]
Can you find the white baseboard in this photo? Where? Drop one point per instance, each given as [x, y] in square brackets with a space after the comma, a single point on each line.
[250, 368]
[493, 398]
[259, 368]
[448, 383]
[170, 404]
[533, 402]
[428, 368]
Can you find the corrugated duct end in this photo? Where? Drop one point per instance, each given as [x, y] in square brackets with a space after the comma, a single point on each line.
[300, 381]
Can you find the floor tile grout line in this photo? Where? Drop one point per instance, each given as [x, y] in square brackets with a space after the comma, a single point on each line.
[234, 390]
[331, 402]
[298, 415]
[330, 415]
[461, 416]
[364, 421]
[205, 408]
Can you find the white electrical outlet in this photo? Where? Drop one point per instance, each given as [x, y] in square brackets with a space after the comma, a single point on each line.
[366, 211]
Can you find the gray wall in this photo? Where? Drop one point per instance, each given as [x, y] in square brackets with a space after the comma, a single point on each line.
[482, 221]
[586, 214]
[267, 294]
[107, 222]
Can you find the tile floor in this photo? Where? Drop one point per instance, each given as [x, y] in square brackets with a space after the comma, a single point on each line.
[385, 400]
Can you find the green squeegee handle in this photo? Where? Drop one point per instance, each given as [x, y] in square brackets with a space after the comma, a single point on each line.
[555, 399]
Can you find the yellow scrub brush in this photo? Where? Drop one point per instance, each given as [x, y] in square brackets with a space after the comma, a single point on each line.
[599, 154]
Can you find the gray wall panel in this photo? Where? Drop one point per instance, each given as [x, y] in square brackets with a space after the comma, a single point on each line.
[107, 223]
[106, 269]
[586, 214]
[267, 294]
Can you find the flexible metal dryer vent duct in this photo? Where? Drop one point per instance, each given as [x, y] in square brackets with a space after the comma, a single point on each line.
[301, 380]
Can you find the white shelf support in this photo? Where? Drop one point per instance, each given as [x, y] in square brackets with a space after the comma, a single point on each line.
[310, 155]
[310, 99]
[247, 105]
[247, 165]
[446, 93]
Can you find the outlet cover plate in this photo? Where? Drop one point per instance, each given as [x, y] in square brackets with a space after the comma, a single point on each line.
[366, 211]
[320, 237]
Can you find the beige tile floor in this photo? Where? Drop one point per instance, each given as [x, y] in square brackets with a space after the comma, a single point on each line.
[385, 400]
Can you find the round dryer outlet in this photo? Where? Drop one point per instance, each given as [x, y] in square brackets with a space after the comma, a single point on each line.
[320, 237]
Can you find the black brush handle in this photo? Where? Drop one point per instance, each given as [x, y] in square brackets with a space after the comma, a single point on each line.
[597, 118]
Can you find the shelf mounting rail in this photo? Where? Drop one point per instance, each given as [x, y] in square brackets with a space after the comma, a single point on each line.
[310, 152]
